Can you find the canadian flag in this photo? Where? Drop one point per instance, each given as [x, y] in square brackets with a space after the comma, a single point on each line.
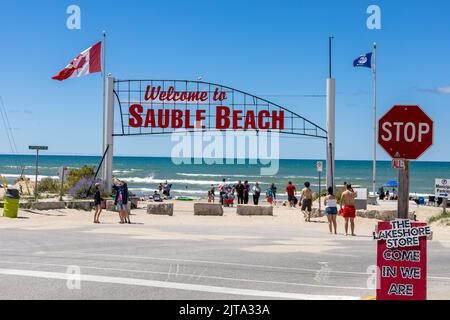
[89, 61]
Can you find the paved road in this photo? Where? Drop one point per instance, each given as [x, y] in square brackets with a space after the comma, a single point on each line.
[193, 262]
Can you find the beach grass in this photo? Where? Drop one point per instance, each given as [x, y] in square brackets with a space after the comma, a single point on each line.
[443, 218]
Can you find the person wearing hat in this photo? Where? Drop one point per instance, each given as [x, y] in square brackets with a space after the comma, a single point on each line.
[97, 203]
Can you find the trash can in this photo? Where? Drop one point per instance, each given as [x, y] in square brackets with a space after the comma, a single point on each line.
[11, 207]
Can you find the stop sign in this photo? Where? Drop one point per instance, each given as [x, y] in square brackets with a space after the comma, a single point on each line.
[405, 132]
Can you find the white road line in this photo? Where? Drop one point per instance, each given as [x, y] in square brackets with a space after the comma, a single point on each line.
[190, 276]
[220, 263]
[173, 285]
[124, 257]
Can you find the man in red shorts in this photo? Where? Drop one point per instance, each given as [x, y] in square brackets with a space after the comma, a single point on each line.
[348, 208]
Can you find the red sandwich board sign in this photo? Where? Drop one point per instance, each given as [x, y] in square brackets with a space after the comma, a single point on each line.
[405, 132]
[402, 260]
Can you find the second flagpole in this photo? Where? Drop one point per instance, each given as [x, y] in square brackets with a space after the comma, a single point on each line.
[374, 119]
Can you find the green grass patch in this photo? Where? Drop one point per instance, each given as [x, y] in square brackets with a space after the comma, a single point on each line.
[442, 217]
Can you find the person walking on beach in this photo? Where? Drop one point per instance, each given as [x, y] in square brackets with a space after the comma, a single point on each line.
[246, 191]
[290, 190]
[160, 188]
[97, 203]
[211, 193]
[222, 190]
[256, 193]
[274, 193]
[348, 208]
[331, 210]
[381, 193]
[240, 192]
[306, 196]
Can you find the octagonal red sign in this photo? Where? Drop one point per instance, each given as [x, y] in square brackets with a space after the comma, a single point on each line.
[405, 132]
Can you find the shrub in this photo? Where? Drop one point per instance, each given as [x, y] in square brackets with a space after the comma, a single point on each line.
[49, 185]
[75, 175]
[81, 188]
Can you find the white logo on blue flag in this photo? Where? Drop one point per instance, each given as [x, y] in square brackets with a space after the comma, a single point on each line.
[364, 61]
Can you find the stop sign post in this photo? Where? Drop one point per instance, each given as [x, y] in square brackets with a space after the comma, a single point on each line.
[405, 132]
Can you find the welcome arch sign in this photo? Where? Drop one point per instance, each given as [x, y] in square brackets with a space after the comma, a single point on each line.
[156, 107]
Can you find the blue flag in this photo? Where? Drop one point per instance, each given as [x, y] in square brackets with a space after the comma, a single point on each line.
[364, 61]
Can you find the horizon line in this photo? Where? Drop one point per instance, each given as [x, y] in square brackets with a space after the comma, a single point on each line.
[131, 156]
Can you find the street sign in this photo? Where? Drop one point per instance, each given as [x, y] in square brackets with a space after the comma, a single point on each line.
[402, 260]
[398, 164]
[38, 148]
[442, 188]
[405, 132]
[319, 166]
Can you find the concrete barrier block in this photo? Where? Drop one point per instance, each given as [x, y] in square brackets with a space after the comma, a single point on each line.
[134, 202]
[160, 209]
[388, 215]
[371, 214]
[249, 210]
[361, 213]
[48, 205]
[80, 205]
[208, 209]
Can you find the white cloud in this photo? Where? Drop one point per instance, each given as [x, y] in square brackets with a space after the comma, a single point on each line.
[438, 90]
[443, 90]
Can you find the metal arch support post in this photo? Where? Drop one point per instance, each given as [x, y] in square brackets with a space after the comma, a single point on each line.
[108, 133]
[331, 99]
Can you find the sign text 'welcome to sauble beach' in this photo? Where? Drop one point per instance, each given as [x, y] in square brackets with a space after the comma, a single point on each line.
[176, 109]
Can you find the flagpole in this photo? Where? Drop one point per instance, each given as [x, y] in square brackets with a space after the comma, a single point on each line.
[374, 118]
[103, 88]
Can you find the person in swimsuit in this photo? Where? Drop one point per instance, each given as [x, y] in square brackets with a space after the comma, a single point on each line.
[348, 208]
[331, 210]
[306, 196]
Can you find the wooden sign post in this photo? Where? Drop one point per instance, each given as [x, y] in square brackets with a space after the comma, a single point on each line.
[403, 191]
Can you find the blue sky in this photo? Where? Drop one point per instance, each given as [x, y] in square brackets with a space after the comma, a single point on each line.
[268, 48]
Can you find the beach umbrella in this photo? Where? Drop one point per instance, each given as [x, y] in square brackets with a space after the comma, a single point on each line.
[391, 184]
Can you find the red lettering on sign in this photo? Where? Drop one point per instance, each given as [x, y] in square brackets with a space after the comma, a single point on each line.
[278, 120]
[177, 119]
[222, 118]
[199, 117]
[261, 124]
[150, 119]
[250, 122]
[135, 119]
[236, 119]
[163, 120]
